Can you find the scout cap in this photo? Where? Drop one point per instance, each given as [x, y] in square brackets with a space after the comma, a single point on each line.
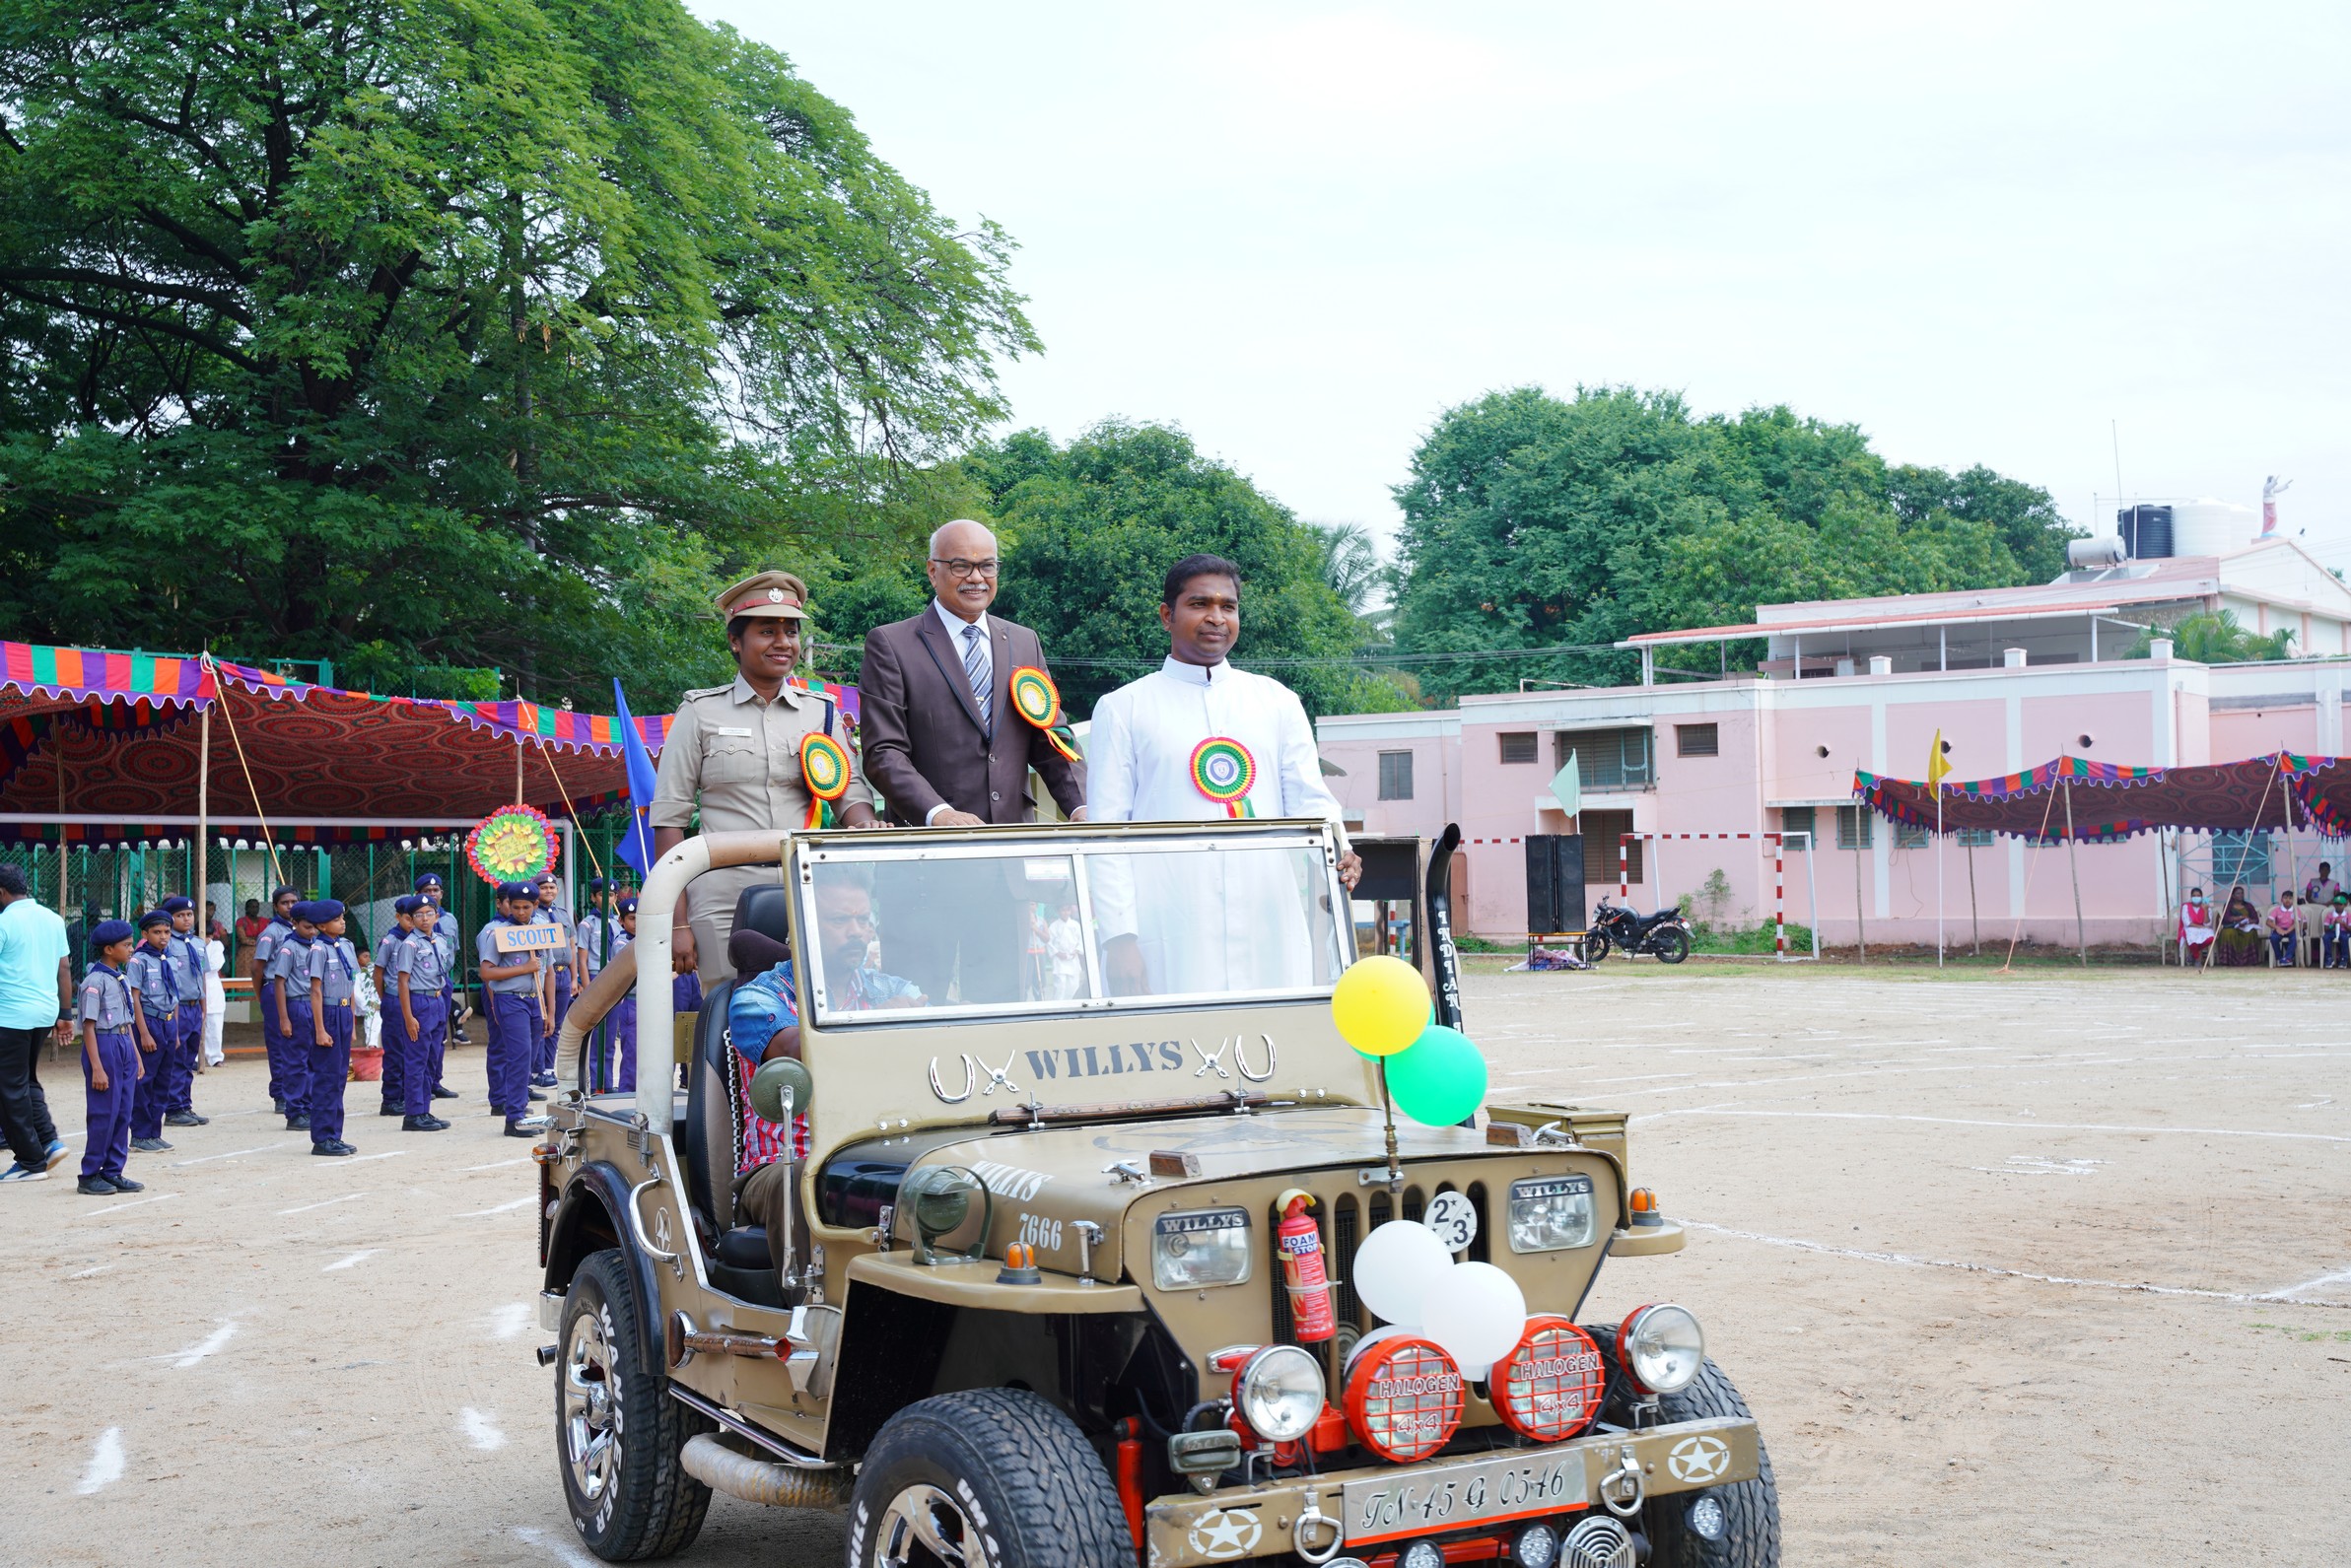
[108, 933]
[407, 904]
[767, 593]
[324, 909]
[176, 903]
[628, 905]
[596, 884]
[518, 890]
[427, 880]
[155, 917]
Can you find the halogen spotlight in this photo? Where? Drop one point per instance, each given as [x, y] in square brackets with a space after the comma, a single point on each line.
[1705, 1517]
[1404, 1399]
[1550, 1386]
[1278, 1391]
[1536, 1547]
[1661, 1348]
[1421, 1554]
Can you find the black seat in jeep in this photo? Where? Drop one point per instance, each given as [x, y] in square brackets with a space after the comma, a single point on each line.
[712, 1133]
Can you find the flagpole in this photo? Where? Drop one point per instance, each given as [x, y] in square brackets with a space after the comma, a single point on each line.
[1938, 873]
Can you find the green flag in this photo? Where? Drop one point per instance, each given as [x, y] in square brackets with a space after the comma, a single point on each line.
[1568, 788]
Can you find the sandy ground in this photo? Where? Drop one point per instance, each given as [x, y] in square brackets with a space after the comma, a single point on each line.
[2046, 1268]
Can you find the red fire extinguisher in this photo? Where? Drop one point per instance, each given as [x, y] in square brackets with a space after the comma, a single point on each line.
[1302, 1271]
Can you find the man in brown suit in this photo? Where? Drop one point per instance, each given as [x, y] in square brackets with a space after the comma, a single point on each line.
[945, 748]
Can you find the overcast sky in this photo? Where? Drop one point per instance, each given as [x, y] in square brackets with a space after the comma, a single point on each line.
[1983, 232]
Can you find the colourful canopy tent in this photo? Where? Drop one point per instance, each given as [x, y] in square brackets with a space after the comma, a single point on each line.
[133, 746]
[2112, 802]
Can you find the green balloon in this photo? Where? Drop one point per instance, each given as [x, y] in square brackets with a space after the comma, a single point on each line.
[1439, 1078]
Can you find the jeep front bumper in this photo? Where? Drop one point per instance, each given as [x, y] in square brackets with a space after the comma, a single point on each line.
[1362, 1511]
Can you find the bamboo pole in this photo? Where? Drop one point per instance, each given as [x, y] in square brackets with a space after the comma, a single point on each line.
[1860, 928]
[203, 824]
[2073, 863]
[1975, 921]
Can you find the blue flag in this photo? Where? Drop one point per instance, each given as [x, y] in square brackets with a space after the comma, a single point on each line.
[636, 843]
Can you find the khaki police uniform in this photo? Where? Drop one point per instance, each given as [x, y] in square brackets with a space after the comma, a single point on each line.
[737, 756]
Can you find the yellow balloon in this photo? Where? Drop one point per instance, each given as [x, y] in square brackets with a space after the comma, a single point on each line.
[1380, 1005]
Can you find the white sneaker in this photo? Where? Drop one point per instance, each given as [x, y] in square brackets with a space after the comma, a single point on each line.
[21, 1172]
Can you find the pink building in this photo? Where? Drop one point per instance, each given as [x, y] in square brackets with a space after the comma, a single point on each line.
[2011, 676]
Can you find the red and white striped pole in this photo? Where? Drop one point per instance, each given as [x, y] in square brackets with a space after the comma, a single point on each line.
[1624, 873]
[1779, 897]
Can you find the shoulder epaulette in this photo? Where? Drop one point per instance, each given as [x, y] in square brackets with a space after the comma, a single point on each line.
[707, 691]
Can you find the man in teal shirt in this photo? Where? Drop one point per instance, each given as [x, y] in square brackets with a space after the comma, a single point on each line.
[36, 1001]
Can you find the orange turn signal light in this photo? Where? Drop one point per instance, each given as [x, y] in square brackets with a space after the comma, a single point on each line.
[1644, 1204]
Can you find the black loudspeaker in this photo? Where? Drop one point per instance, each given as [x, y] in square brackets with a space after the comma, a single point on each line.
[1554, 882]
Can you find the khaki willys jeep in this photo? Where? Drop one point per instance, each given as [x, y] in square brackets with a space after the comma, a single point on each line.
[1032, 1311]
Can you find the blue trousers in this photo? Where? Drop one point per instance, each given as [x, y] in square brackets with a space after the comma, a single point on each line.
[155, 1087]
[448, 1013]
[2331, 948]
[183, 1060]
[330, 1069]
[298, 1050]
[106, 1111]
[514, 1042]
[622, 1024]
[416, 1057]
[2281, 943]
[543, 1055]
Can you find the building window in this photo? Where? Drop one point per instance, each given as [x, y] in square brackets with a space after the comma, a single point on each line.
[2239, 857]
[1852, 827]
[1518, 745]
[1792, 821]
[1909, 835]
[1603, 833]
[1975, 838]
[1395, 776]
[1606, 759]
[1697, 740]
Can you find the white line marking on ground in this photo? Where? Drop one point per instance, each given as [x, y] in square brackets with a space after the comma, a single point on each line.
[87, 1272]
[105, 1462]
[511, 1320]
[111, 1208]
[2038, 1127]
[1903, 1260]
[359, 1257]
[323, 1202]
[2314, 1104]
[498, 1165]
[503, 1208]
[387, 1154]
[563, 1551]
[233, 1154]
[203, 1348]
[2335, 1278]
[480, 1430]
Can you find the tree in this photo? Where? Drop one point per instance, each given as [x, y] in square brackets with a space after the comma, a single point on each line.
[451, 333]
[1089, 529]
[2218, 637]
[1561, 527]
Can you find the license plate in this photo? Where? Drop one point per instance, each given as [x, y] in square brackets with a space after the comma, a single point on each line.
[1474, 1492]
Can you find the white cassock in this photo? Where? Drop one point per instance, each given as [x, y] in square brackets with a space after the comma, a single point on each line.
[1223, 922]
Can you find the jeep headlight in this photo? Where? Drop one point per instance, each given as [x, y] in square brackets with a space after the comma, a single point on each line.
[1551, 1214]
[1192, 1248]
[1662, 1347]
[1278, 1391]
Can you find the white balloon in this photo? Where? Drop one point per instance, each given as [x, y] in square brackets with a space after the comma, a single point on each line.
[1384, 1332]
[1395, 1267]
[1476, 1313]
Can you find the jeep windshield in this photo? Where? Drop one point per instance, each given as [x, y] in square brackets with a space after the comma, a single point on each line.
[1064, 921]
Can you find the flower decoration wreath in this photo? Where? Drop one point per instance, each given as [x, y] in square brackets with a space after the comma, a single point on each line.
[513, 844]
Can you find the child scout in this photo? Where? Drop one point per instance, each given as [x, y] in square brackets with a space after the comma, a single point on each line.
[108, 1014]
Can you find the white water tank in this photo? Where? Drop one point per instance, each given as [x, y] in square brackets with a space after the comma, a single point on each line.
[2212, 528]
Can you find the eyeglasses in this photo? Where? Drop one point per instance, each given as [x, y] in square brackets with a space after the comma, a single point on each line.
[960, 567]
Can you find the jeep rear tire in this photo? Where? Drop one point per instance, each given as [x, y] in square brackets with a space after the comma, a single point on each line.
[1750, 1535]
[617, 1431]
[985, 1479]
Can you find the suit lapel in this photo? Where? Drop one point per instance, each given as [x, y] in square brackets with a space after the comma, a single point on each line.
[933, 637]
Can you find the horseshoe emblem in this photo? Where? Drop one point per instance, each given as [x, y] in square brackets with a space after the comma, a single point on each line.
[997, 1078]
[1208, 1060]
[1241, 1061]
[970, 1079]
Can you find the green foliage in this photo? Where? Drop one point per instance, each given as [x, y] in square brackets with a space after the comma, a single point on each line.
[422, 334]
[1533, 523]
[1089, 529]
[2217, 639]
[1759, 938]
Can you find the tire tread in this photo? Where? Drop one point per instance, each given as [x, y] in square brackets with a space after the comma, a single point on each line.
[1062, 1510]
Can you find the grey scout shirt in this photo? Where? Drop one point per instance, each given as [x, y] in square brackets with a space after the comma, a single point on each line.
[149, 975]
[290, 965]
[334, 965]
[592, 940]
[387, 945]
[274, 935]
[485, 946]
[424, 959]
[561, 958]
[188, 968]
[106, 1000]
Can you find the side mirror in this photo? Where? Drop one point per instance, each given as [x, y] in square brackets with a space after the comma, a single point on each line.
[778, 1078]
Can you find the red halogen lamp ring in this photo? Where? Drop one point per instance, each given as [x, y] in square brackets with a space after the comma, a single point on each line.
[1404, 1399]
[1550, 1386]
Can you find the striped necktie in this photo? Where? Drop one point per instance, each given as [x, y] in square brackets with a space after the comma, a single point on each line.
[975, 670]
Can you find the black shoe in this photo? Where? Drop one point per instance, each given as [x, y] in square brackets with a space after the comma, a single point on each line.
[149, 1145]
[278, 1104]
[331, 1148]
[515, 1130]
[535, 1094]
[124, 1183]
[184, 1119]
[423, 1123]
[96, 1187]
[442, 1092]
[391, 1110]
[298, 1122]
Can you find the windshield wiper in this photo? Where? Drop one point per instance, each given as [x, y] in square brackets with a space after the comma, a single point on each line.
[1037, 1115]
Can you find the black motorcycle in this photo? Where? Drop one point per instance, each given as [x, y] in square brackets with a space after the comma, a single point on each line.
[1665, 936]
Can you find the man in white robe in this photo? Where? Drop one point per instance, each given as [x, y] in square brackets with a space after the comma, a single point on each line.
[1198, 741]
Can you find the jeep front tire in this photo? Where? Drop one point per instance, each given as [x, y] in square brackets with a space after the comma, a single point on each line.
[985, 1479]
[617, 1431]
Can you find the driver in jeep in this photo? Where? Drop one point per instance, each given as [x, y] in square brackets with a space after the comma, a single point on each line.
[763, 1023]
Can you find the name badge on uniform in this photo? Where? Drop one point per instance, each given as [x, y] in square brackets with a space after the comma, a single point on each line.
[732, 729]
[538, 937]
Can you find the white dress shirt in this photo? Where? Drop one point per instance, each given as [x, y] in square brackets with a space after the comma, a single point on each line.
[1138, 753]
[955, 624]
